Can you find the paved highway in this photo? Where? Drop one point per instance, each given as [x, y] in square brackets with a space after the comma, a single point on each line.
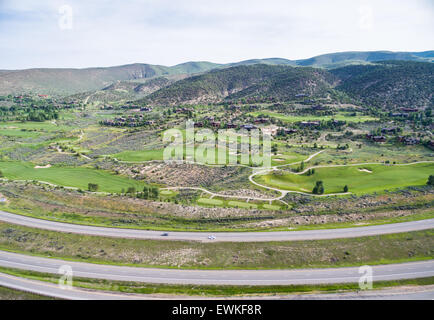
[217, 277]
[53, 290]
[220, 237]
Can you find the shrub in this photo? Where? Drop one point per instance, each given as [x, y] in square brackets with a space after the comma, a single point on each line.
[92, 187]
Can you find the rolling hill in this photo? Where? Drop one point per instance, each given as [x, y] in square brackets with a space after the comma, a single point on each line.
[341, 59]
[386, 84]
[248, 81]
[389, 84]
[72, 81]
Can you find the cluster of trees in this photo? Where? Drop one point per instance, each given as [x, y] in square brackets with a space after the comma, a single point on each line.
[148, 192]
[430, 180]
[42, 115]
[319, 188]
[345, 147]
[301, 167]
[151, 193]
[30, 109]
[260, 83]
[92, 187]
[310, 172]
[389, 83]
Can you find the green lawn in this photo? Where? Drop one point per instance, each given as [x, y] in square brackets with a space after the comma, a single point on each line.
[382, 178]
[69, 177]
[19, 133]
[290, 118]
[243, 205]
[211, 202]
[142, 155]
[271, 207]
[29, 125]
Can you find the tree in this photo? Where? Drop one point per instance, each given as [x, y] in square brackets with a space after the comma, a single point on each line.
[145, 193]
[131, 190]
[301, 167]
[155, 192]
[346, 189]
[319, 188]
[430, 180]
[1, 174]
[92, 187]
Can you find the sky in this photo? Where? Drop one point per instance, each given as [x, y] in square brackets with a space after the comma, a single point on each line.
[80, 33]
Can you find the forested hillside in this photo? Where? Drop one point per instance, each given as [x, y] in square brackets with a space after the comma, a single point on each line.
[389, 84]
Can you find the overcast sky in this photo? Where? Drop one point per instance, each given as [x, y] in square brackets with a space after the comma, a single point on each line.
[80, 33]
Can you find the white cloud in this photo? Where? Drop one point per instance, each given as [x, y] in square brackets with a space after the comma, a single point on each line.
[169, 32]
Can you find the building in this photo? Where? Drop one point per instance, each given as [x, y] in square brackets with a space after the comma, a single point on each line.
[248, 127]
[379, 139]
[409, 141]
[270, 130]
[409, 109]
[261, 120]
[391, 130]
[309, 123]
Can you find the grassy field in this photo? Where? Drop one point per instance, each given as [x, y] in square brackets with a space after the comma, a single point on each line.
[242, 204]
[375, 153]
[360, 179]
[69, 177]
[210, 202]
[139, 156]
[19, 133]
[46, 126]
[11, 294]
[384, 249]
[282, 158]
[291, 119]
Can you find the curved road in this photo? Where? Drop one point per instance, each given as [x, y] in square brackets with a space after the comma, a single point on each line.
[217, 277]
[53, 290]
[320, 234]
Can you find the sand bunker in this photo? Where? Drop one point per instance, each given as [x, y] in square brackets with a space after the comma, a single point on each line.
[365, 170]
[43, 167]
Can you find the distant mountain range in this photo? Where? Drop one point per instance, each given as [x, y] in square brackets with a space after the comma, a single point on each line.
[386, 84]
[72, 81]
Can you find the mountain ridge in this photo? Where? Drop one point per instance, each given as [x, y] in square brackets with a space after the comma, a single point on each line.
[66, 81]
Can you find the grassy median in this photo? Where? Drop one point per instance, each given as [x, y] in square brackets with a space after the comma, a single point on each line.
[381, 249]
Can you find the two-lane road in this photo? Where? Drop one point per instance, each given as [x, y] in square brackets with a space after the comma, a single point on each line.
[218, 277]
[319, 234]
[53, 290]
